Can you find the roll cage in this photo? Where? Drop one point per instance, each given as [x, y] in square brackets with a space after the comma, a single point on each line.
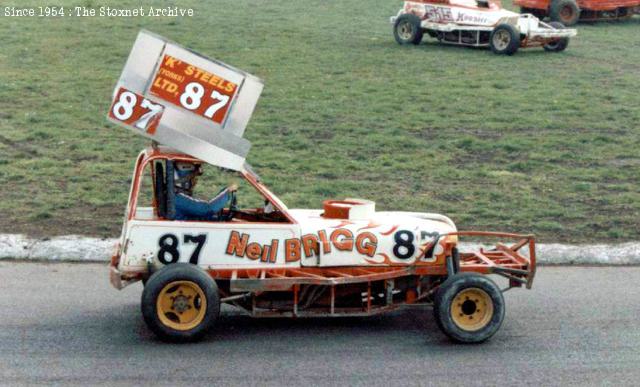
[162, 159]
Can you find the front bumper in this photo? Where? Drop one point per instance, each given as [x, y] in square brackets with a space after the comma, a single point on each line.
[121, 279]
[115, 277]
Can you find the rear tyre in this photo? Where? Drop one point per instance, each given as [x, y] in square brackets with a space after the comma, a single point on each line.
[566, 12]
[504, 40]
[407, 29]
[469, 308]
[180, 303]
[557, 45]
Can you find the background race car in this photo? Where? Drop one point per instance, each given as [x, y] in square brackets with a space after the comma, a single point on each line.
[477, 23]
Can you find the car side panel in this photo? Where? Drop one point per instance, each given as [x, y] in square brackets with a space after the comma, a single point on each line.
[208, 244]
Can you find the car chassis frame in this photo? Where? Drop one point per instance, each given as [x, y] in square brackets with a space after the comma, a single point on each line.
[537, 38]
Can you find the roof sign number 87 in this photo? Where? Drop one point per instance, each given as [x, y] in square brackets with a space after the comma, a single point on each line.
[192, 98]
[137, 111]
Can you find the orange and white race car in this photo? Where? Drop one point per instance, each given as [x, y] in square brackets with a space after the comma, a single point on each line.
[345, 259]
[477, 23]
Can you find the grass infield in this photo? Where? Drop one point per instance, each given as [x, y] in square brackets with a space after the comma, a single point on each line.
[538, 142]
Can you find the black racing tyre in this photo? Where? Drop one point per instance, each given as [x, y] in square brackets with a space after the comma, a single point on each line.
[504, 40]
[407, 29]
[180, 303]
[566, 12]
[557, 45]
[469, 308]
[539, 13]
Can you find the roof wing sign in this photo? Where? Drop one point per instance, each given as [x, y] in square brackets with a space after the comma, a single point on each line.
[181, 99]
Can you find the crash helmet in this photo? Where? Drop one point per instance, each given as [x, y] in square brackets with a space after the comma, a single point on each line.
[185, 173]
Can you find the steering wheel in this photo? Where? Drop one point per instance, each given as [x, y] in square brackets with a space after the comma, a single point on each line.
[233, 207]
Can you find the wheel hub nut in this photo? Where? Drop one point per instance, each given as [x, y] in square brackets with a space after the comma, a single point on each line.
[181, 303]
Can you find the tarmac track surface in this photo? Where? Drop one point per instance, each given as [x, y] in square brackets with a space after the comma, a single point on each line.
[63, 324]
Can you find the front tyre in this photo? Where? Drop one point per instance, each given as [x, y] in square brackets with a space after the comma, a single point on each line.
[407, 29]
[180, 303]
[559, 44]
[504, 40]
[469, 308]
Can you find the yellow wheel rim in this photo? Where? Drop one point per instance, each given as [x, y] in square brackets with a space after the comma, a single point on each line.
[181, 305]
[472, 309]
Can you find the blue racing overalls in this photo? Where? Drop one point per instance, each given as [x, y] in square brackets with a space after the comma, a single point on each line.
[188, 208]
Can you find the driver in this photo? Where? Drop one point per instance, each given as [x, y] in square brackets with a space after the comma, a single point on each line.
[187, 207]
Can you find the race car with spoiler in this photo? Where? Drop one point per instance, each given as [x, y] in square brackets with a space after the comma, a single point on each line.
[344, 259]
[477, 23]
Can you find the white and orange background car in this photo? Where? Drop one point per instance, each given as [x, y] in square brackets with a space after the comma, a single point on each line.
[477, 23]
[344, 259]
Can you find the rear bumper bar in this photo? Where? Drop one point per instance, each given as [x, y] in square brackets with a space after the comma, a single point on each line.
[516, 262]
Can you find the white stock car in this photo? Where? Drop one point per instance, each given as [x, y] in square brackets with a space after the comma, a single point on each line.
[477, 23]
[346, 259]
